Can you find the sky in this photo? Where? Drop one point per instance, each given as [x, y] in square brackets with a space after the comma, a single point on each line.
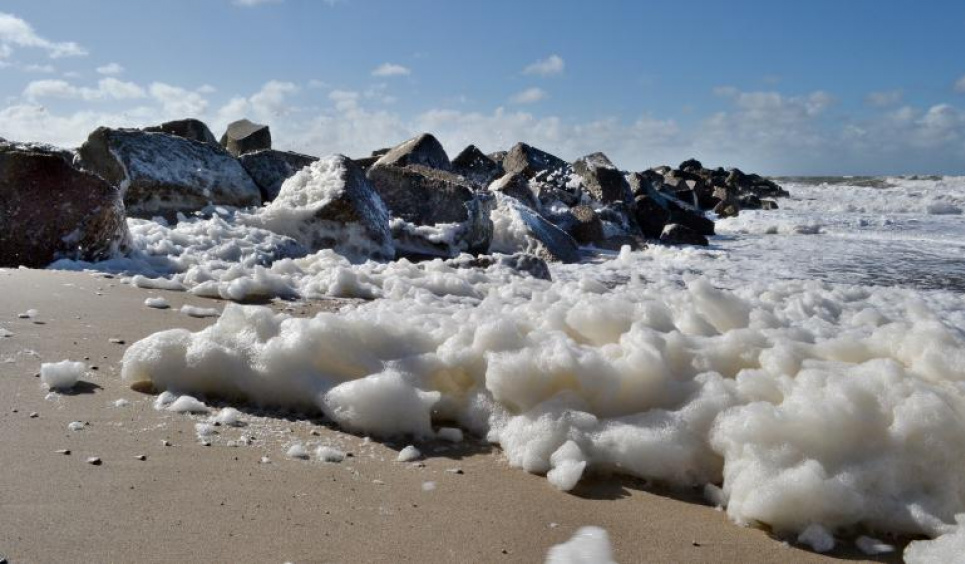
[813, 87]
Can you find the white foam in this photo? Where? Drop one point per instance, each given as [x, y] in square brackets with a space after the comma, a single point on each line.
[590, 545]
[297, 451]
[946, 549]
[187, 404]
[200, 312]
[157, 303]
[409, 454]
[329, 454]
[62, 375]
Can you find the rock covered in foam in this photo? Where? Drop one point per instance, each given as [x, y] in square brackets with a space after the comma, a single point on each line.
[244, 136]
[517, 186]
[424, 150]
[162, 175]
[528, 161]
[676, 234]
[270, 168]
[50, 209]
[330, 205]
[517, 229]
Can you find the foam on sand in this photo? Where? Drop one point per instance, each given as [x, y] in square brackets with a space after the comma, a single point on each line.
[590, 545]
[62, 375]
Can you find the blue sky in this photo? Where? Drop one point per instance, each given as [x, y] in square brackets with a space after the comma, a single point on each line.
[819, 87]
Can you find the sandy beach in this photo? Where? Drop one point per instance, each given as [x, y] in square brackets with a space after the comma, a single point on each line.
[221, 503]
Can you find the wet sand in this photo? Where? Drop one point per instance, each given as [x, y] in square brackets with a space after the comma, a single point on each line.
[221, 503]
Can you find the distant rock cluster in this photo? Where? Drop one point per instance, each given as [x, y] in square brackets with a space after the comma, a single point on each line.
[409, 201]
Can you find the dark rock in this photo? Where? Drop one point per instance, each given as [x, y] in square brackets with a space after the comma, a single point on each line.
[541, 238]
[750, 202]
[588, 229]
[517, 186]
[691, 218]
[424, 150]
[529, 161]
[498, 157]
[192, 129]
[602, 181]
[49, 209]
[476, 166]
[556, 185]
[381, 152]
[365, 163]
[769, 205]
[617, 242]
[521, 263]
[651, 217]
[270, 168]
[726, 209]
[676, 234]
[244, 136]
[644, 183]
[161, 174]
[347, 216]
[422, 195]
[691, 165]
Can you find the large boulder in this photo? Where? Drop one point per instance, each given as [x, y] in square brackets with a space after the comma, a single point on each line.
[602, 180]
[422, 195]
[330, 205]
[519, 229]
[244, 136]
[424, 150]
[517, 186]
[476, 166]
[676, 234]
[528, 161]
[270, 168]
[193, 129]
[653, 209]
[161, 174]
[447, 240]
[588, 228]
[50, 209]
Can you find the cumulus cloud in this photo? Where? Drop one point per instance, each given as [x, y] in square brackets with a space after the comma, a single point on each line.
[110, 69]
[552, 65]
[107, 89]
[529, 96]
[391, 69]
[177, 102]
[268, 104]
[15, 32]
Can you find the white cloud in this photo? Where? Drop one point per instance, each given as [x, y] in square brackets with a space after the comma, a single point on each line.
[110, 69]
[391, 69]
[884, 98]
[177, 102]
[549, 66]
[47, 69]
[960, 85]
[269, 104]
[529, 96]
[107, 89]
[15, 32]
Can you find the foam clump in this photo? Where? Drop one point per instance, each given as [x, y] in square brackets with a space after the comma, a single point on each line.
[297, 452]
[816, 537]
[946, 549]
[199, 312]
[329, 454]
[229, 417]
[62, 375]
[590, 545]
[409, 454]
[187, 404]
[157, 303]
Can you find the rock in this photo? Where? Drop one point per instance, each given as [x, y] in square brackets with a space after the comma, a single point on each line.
[617, 242]
[588, 229]
[750, 202]
[754, 184]
[472, 164]
[422, 195]
[380, 152]
[558, 185]
[50, 209]
[726, 209]
[529, 161]
[517, 186]
[243, 136]
[602, 181]
[192, 129]
[423, 150]
[498, 157]
[769, 205]
[690, 217]
[521, 263]
[691, 165]
[161, 174]
[330, 205]
[676, 234]
[366, 163]
[520, 229]
[270, 168]
[94, 461]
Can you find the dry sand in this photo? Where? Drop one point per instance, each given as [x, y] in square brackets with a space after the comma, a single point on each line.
[190, 503]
